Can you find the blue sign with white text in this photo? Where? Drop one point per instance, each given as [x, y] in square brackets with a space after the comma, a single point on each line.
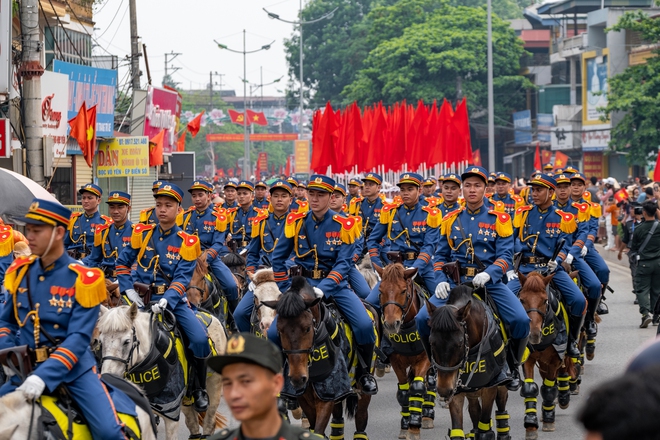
[544, 124]
[522, 124]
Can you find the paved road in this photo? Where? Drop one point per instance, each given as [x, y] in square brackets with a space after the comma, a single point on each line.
[618, 338]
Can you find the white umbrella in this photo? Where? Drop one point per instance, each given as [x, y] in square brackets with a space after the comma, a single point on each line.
[17, 192]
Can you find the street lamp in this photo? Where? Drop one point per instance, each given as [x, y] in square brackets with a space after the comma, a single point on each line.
[247, 162]
[300, 23]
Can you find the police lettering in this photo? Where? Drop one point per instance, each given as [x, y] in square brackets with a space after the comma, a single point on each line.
[144, 376]
[548, 330]
[481, 368]
[405, 338]
[319, 353]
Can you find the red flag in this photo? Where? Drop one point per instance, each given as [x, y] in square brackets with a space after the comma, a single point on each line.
[236, 117]
[461, 124]
[257, 118]
[220, 172]
[322, 152]
[83, 130]
[230, 172]
[476, 158]
[415, 136]
[287, 169]
[546, 156]
[376, 138]
[621, 195]
[537, 158]
[561, 160]
[443, 151]
[194, 125]
[156, 149]
[656, 171]
[181, 142]
[431, 136]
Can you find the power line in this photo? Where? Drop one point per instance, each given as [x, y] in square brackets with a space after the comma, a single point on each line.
[113, 19]
[57, 17]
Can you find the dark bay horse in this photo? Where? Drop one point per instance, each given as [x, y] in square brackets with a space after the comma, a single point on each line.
[302, 320]
[556, 369]
[459, 331]
[400, 300]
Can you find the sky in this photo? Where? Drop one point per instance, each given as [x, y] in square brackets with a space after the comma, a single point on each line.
[189, 28]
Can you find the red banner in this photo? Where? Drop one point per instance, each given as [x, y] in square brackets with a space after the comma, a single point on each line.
[262, 162]
[5, 138]
[257, 137]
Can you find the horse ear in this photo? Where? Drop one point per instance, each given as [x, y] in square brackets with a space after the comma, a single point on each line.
[464, 311]
[270, 304]
[133, 311]
[548, 278]
[409, 273]
[522, 278]
[378, 269]
[309, 303]
[430, 307]
[113, 286]
[103, 310]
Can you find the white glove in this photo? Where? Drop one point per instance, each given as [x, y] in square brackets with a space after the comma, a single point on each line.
[569, 259]
[134, 297]
[480, 279]
[511, 275]
[552, 265]
[318, 292]
[442, 290]
[159, 306]
[252, 286]
[8, 371]
[33, 387]
[584, 252]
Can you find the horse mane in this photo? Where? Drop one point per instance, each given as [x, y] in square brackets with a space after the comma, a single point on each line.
[200, 268]
[13, 401]
[116, 320]
[263, 276]
[443, 319]
[232, 259]
[534, 283]
[393, 273]
[291, 305]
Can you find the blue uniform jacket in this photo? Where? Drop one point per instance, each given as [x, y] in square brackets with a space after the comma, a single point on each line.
[369, 211]
[241, 223]
[211, 232]
[174, 251]
[581, 212]
[267, 234]
[409, 230]
[317, 241]
[112, 240]
[68, 297]
[484, 233]
[80, 234]
[508, 201]
[540, 231]
[261, 204]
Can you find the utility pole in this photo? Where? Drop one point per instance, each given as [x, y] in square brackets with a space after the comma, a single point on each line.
[135, 47]
[491, 101]
[30, 72]
[172, 55]
[211, 75]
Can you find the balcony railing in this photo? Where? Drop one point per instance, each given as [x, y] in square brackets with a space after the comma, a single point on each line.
[573, 45]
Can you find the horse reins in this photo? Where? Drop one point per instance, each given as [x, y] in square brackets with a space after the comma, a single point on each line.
[134, 345]
[405, 307]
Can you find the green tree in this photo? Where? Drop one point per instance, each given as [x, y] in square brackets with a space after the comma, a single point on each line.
[634, 94]
[445, 56]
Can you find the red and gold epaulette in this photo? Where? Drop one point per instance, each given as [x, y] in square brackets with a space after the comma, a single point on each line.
[106, 219]
[586, 196]
[76, 214]
[498, 206]
[13, 275]
[190, 247]
[262, 214]
[20, 262]
[596, 210]
[432, 201]
[516, 198]
[584, 213]
[221, 219]
[144, 214]
[448, 220]
[293, 223]
[568, 224]
[352, 209]
[503, 225]
[138, 234]
[351, 227]
[72, 220]
[303, 206]
[98, 231]
[518, 217]
[434, 217]
[523, 208]
[90, 285]
[388, 210]
[6, 240]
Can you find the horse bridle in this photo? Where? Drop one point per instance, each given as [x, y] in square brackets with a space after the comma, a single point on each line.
[406, 306]
[135, 345]
[543, 314]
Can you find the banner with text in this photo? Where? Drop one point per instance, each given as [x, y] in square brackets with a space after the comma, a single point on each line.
[301, 157]
[122, 157]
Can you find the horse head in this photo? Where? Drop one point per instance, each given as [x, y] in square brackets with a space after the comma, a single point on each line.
[396, 295]
[534, 298]
[236, 264]
[197, 290]
[15, 412]
[297, 316]
[266, 293]
[114, 297]
[124, 338]
[455, 328]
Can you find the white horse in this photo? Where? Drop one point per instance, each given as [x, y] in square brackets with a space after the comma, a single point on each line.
[116, 327]
[265, 290]
[368, 272]
[18, 419]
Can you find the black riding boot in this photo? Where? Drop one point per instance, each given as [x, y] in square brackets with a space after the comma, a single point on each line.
[231, 306]
[575, 327]
[590, 318]
[200, 397]
[514, 358]
[363, 371]
[602, 308]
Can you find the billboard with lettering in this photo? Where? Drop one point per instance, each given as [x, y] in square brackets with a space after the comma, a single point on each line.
[162, 112]
[54, 105]
[522, 122]
[595, 73]
[123, 156]
[93, 87]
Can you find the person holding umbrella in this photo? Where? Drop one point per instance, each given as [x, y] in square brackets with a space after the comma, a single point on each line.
[79, 239]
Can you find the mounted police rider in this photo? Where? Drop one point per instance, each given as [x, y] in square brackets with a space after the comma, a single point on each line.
[230, 195]
[148, 216]
[480, 239]
[260, 198]
[53, 308]
[502, 193]
[240, 220]
[368, 206]
[354, 188]
[201, 220]
[112, 237]
[451, 190]
[166, 257]
[538, 231]
[80, 237]
[324, 244]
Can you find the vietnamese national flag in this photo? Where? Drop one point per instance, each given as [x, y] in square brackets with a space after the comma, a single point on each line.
[237, 117]
[546, 156]
[194, 125]
[287, 169]
[537, 159]
[156, 149]
[476, 158]
[257, 118]
[621, 195]
[83, 130]
[181, 142]
[561, 160]
[230, 172]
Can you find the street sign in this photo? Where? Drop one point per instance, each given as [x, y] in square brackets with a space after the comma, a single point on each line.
[5, 138]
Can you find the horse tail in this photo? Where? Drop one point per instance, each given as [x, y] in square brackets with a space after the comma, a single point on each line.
[570, 367]
[351, 405]
[220, 420]
[411, 375]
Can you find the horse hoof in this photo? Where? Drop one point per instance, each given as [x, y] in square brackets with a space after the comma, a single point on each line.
[403, 434]
[297, 413]
[531, 435]
[305, 423]
[388, 369]
[380, 372]
[413, 436]
[576, 391]
[548, 427]
[563, 406]
[427, 423]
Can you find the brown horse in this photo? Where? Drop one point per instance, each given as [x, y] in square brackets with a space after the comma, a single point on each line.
[114, 296]
[301, 321]
[400, 300]
[555, 369]
[458, 331]
[236, 264]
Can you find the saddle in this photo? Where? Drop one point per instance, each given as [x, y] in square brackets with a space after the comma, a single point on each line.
[555, 323]
[216, 303]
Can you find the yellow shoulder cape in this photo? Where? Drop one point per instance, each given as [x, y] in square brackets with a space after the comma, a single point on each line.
[568, 223]
[190, 246]
[503, 225]
[262, 214]
[6, 240]
[90, 285]
[434, 217]
[293, 223]
[16, 271]
[387, 212]
[448, 221]
[351, 228]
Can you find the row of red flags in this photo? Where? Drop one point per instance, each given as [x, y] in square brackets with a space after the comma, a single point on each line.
[156, 142]
[390, 137]
[256, 118]
[542, 157]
